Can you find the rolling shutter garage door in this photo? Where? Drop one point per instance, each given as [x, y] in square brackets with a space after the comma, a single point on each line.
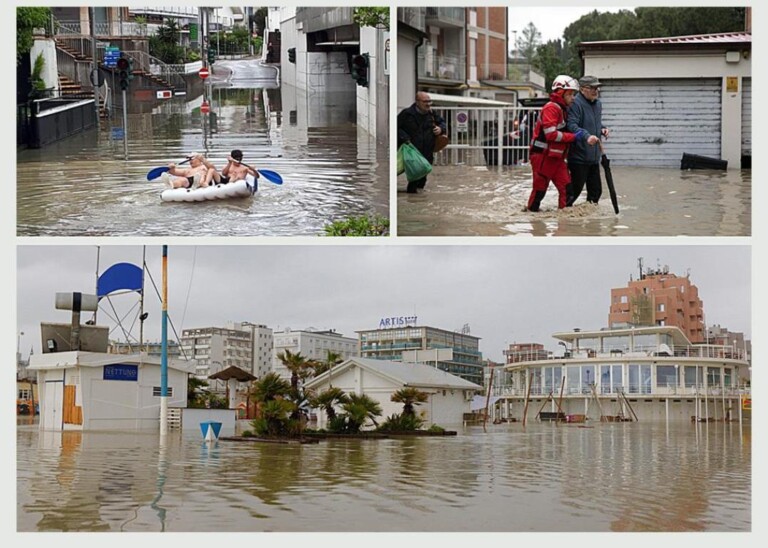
[653, 122]
[746, 117]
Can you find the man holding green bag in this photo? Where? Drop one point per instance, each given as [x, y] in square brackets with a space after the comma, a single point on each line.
[419, 126]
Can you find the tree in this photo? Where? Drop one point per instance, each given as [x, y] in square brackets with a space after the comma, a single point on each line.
[331, 359]
[328, 399]
[28, 19]
[164, 44]
[409, 396]
[549, 62]
[359, 409]
[197, 390]
[527, 43]
[298, 365]
[270, 387]
[371, 17]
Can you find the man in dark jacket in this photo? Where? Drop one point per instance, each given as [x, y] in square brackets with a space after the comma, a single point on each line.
[419, 125]
[586, 113]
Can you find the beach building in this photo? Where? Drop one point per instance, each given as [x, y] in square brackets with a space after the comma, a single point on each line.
[81, 390]
[630, 373]
[449, 395]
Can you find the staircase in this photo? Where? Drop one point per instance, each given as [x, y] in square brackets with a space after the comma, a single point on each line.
[73, 90]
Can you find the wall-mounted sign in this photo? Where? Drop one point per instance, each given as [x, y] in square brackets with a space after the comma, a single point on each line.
[397, 321]
[732, 84]
[121, 372]
[462, 120]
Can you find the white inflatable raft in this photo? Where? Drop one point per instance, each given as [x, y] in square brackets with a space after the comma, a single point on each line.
[239, 189]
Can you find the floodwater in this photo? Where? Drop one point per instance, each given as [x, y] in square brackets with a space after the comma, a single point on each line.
[542, 478]
[478, 201]
[84, 185]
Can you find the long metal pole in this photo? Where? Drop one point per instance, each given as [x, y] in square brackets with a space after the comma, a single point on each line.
[94, 63]
[141, 298]
[125, 124]
[164, 351]
[98, 258]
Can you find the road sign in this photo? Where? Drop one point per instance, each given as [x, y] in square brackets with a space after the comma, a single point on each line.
[205, 108]
[118, 133]
[203, 73]
[111, 55]
[164, 94]
[462, 119]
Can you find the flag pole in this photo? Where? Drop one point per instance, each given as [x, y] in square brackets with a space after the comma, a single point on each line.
[164, 350]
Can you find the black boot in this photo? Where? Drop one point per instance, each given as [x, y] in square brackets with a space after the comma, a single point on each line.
[537, 198]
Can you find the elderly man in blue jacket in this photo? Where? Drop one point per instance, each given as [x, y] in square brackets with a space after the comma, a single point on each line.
[586, 113]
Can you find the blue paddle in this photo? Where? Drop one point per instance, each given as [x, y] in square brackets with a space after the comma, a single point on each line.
[269, 175]
[156, 172]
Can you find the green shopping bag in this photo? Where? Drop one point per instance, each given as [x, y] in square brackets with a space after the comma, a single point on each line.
[400, 162]
[416, 166]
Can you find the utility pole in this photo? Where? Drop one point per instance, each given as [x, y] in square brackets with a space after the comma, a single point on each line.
[94, 62]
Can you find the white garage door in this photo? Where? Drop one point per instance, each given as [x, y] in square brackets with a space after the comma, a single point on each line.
[653, 122]
[746, 117]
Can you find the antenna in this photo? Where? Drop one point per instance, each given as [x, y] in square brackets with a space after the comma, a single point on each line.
[640, 266]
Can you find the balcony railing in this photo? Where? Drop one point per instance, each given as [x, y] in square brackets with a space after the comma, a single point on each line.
[442, 67]
[631, 390]
[446, 16]
[413, 17]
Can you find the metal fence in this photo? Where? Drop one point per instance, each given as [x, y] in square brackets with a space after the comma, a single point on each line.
[485, 135]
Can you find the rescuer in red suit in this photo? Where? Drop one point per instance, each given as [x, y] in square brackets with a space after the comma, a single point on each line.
[549, 147]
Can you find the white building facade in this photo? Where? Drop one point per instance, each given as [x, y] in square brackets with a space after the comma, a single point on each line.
[312, 344]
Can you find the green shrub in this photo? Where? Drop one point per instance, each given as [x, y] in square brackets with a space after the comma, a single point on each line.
[363, 225]
[436, 428]
[248, 434]
[401, 423]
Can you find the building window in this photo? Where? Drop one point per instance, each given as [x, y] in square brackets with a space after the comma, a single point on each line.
[156, 391]
[662, 307]
[666, 376]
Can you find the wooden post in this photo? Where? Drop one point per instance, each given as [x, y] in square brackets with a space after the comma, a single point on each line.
[549, 397]
[560, 401]
[488, 399]
[527, 396]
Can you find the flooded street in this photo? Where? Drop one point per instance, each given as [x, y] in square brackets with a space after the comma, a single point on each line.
[477, 201]
[84, 186]
[605, 477]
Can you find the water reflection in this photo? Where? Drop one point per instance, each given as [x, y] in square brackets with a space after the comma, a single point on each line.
[606, 477]
[84, 185]
[477, 201]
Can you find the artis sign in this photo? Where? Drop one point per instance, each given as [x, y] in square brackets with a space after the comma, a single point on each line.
[397, 321]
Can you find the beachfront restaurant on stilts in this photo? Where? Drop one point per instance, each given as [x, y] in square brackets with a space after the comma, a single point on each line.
[627, 374]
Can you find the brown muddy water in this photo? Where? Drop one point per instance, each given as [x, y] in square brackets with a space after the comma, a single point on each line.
[542, 478]
[478, 201]
[332, 170]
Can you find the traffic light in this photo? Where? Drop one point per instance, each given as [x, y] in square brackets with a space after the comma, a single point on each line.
[211, 56]
[359, 69]
[124, 72]
[292, 55]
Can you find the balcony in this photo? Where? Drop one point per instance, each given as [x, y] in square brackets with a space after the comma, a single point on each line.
[413, 17]
[442, 67]
[446, 17]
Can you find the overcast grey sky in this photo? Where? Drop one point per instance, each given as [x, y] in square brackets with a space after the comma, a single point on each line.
[505, 293]
[550, 21]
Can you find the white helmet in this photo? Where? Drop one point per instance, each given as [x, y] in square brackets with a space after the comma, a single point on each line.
[565, 82]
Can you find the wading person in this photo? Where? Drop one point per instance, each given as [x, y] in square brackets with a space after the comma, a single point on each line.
[420, 125]
[549, 147]
[584, 160]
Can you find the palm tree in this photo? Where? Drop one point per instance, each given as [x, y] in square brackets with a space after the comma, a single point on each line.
[270, 387]
[328, 399]
[409, 397]
[331, 359]
[297, 364]
[196, 389]
[360, 408]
